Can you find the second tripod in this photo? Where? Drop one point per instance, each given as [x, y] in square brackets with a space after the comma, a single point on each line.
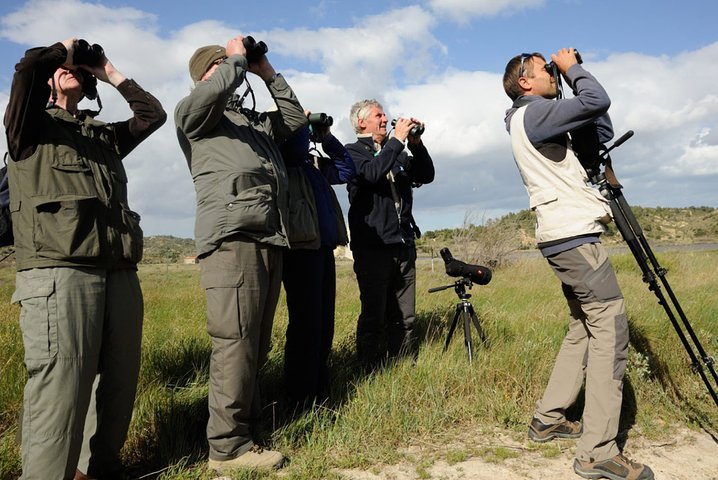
[464, 312]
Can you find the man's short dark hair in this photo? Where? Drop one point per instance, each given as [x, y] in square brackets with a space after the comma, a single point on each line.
[512, 73]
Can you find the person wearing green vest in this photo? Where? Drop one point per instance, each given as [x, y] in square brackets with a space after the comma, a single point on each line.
[77, 245]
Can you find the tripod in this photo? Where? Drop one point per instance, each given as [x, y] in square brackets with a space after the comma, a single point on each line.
[633, 235]
[465, 311]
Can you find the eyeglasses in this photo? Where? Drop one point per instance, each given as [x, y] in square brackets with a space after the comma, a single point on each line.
[524, 57]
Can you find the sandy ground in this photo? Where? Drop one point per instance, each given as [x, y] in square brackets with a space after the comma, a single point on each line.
[687, 455]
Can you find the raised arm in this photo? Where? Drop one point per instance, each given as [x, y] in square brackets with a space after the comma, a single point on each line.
[339, 168]
[28, 97]
[374, 169]
[547, 118]
[199, 113]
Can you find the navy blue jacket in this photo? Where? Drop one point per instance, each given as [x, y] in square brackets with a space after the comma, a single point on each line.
[374, 220]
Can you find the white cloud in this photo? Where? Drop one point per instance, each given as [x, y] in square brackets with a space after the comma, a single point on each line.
[394, 47]
[699, 158]
[673, 112]
[462, 111]
[670, 102]
[37, 20]
[464, 10]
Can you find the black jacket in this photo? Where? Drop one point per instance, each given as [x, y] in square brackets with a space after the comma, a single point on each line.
[374, 218]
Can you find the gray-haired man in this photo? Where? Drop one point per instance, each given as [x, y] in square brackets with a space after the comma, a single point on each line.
[382, 230]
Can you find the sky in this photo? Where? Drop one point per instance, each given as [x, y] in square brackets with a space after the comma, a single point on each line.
[437, 60]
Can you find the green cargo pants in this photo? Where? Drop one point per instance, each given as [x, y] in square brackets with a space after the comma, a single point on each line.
[242, 279]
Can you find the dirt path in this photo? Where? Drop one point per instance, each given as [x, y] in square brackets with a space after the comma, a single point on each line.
[688, 455]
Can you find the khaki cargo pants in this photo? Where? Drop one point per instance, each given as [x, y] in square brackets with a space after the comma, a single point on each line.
[77, 323]
[595, 348]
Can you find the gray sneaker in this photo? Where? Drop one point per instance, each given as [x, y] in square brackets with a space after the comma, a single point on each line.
[256, 457]
[540, 432]
[616, 468]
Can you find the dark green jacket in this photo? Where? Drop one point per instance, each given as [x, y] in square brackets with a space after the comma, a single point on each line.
[239, 177]
[68, 187]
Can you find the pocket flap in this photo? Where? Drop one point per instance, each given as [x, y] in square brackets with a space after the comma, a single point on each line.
[221, 279]
[59, 198]
[33, 287]
[250, 196]
[543, 196]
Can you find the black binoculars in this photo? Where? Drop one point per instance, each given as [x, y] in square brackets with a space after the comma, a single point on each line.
[415, 131]
[86, 54]
[550, 67]
[320, 120]
[254, 49]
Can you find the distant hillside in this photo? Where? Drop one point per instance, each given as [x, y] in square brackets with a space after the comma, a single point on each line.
[660, 225]
[168, 249]
[491, 240]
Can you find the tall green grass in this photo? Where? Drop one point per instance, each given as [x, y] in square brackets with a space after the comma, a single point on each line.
[369, 419]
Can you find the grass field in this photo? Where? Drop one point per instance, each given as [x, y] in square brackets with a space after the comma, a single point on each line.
[368, 418]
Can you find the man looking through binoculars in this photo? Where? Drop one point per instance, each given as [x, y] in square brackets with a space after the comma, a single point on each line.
[77, 248]
[570, 217]
[383, 229]
[242, 206]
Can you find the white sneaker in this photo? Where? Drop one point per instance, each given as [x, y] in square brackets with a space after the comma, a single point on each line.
[255, 457]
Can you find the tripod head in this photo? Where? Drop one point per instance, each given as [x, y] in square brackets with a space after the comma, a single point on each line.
[459, 287]
[593, 155]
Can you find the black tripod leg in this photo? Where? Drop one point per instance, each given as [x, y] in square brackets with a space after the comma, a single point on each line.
[477, 324]
[452, 327]
[661, 273]
[632, 234]
[467, 333]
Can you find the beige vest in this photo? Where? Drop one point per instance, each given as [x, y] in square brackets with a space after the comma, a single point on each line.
[559, 194]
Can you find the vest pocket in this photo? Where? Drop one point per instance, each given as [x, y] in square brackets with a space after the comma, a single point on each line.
[131, 237]
[66, 229]
[542, 197]
[69, 160]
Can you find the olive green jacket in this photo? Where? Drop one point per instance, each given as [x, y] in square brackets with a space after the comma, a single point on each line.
[68, 186]
[239, 177]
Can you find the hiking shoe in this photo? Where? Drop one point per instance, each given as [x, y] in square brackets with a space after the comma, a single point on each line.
[540, 432]
[616, 468]
[256, 457]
